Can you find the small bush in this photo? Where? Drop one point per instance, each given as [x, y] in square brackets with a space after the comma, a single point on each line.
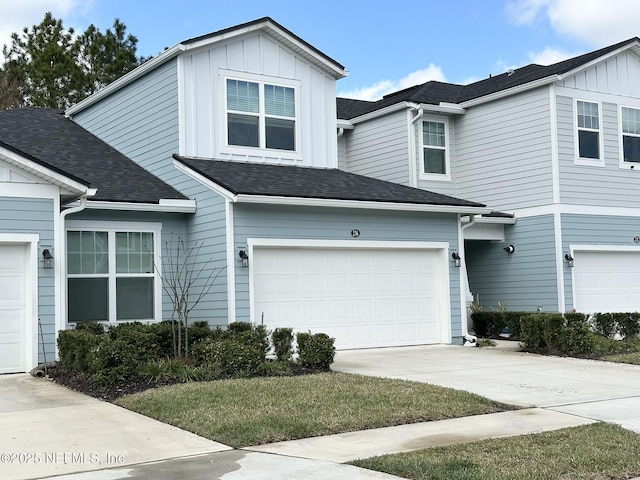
[532, 332]
[604, 324]
[239, 327]
[229, 356]
[96, 328]
[315, 351]
[628, 324]
[74, 348]
[553, 330]
[578, 337]
[486, 324]
[282, 339]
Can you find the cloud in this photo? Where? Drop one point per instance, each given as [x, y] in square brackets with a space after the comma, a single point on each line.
[595, 22]
[17, 15]
[383, 87]
[550, 56]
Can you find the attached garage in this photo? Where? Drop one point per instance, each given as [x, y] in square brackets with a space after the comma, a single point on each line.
[606, 280]
[370, 296]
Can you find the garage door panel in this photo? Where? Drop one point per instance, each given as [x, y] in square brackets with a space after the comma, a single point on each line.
[13, 308]
[362, 297]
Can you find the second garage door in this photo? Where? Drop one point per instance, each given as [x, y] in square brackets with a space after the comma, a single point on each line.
[13, 308]
[364, 297]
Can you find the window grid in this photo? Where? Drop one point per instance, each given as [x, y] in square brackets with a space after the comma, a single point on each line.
[434, 156]
[588, 131]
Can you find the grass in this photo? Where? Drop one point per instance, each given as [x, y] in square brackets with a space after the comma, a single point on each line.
[632, 358]
[244, 412]
[597, 451]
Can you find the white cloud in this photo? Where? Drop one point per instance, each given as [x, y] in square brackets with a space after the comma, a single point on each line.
[550, 55]
[383, 87]
[17, 15]
[595, 22]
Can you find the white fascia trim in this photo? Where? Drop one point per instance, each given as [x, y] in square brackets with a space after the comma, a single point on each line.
[205, 181]
[126, 79]
[165, 205]
[568, 209]
[493, 220]
[603, 248]
[510, 91]
[379, 113]
[443, 107]
[597, 60]
[344, 124]
[330, 202]
[322, 243]
[555, 162]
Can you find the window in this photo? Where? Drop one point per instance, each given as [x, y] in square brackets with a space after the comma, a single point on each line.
[588, 130]
[630, 134]
[261, 115]
[434, 148]
[111, 275]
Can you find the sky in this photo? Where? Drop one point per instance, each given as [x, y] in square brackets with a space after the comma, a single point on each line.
[385, 45]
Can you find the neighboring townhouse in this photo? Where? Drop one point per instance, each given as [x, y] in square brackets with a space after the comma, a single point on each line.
[556, 147]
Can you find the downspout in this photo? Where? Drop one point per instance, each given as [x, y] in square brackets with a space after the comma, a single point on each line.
[464, 277]
[413, 163]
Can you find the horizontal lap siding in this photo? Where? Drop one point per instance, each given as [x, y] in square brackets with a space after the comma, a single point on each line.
[36, 215]
[255, 221]
[379, 148]
[595, 230]
[523, 280]
[503, 152]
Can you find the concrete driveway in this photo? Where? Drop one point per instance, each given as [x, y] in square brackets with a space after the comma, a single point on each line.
[597, 390]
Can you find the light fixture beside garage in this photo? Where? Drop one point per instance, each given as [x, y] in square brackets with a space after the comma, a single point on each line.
[569, 259]
[244, 257]
[456, 258]
[47, 259]
[510, 249]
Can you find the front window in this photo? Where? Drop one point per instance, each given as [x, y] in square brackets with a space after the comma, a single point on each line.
[261, 115]
[630, 134]
[111, 275]
[588, 130]
[434, 148]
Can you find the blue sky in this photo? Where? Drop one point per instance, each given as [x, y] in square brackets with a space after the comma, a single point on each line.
[384, 45]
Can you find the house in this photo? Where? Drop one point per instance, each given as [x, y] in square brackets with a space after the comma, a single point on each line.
[228, 142]
[556, 147]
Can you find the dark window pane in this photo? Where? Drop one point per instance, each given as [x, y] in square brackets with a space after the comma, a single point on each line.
[588, 144]
[434, 161]
[243, 130]
[134, 298]
[631, 149]
[88, 299]
[281, 134]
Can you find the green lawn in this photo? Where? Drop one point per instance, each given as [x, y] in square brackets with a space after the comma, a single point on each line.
[597, 451]
[632, 358]
[244, 412]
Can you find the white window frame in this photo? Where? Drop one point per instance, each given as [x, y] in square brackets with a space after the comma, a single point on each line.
[261, 150]
[440, 177]
[111, 228]
[591, 162]
[624, 164]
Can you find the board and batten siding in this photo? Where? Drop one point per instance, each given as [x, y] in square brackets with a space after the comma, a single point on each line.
[267, 221]
[26, 215]
[525, 280]
[378, 148]
[503, 152]
[595, 230]
[607, 185]
[202, 82]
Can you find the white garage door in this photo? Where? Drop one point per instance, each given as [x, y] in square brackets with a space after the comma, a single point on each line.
[606, 281]
[361, 297]
[13, 308]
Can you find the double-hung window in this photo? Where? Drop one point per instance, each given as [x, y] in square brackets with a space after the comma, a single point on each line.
[589, 137]
[630, 134]
[435, 158]
[112, 275]
[261, 115]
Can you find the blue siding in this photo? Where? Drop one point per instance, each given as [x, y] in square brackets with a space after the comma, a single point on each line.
[594, 230]
[36, 215]
[267, 221]
[524, 280]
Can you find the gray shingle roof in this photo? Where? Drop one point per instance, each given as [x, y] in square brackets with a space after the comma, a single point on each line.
[435, 92]
[241, 178]
[48, 138]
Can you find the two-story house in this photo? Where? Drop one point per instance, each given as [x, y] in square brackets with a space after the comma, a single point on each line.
[556, 147]
[227, 142]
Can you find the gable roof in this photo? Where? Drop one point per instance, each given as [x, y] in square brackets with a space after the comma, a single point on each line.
[434, 93]
[240, 178]
[46, 137]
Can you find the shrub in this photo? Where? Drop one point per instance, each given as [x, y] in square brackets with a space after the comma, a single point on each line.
[532, 332]
[229, 356]
[578, 337]
[94, 327]
[628, 324]
[604, 324]
[282, 339]
[484, 323]
[553, 330]
[238, 327]
[315, 351]
[74, 348]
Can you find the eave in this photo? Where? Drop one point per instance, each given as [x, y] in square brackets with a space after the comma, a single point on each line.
[163, 206]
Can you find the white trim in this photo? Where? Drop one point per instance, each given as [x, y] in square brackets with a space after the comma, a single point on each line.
[182, 114]
[437, 177]
[585, 161]
[559, 258]
[510, 91]
[442, 248]
[592, 210]
[603, 248]
[167, 206]
[231, 261]
[30, 241]
[555, 161]
[29, 190]
[223, 192]
[622, 163]
[412, 148]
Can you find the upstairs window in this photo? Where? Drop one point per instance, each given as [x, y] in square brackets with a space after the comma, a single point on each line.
[261, 115]
[630, 134]
[434, 149]
[588, 130]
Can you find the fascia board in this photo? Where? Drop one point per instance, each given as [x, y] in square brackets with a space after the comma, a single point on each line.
[166, 206]
[223, 192]
[511, 91]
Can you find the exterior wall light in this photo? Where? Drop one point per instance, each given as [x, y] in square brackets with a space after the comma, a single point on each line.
[47, 259]
[456, 258]
[510, 249]
[245, 258]
[569, 259]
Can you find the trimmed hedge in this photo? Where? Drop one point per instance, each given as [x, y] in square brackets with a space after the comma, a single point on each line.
[492, 324]
[315, 350]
